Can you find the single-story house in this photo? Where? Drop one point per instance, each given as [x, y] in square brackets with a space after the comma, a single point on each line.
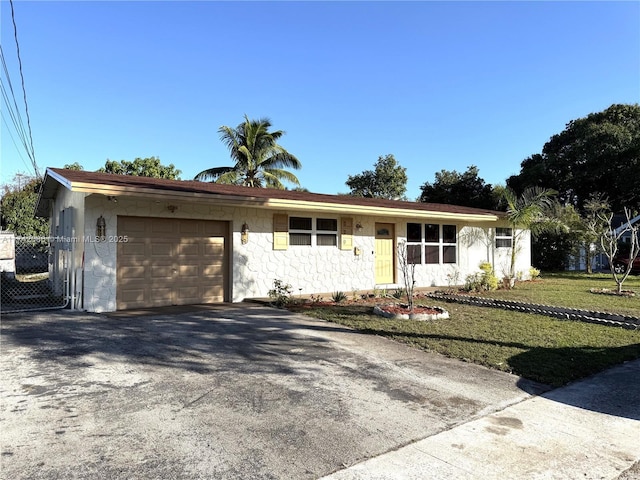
[132, 242]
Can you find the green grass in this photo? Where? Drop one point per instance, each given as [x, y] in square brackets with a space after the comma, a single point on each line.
[540, 348]
[572, 289]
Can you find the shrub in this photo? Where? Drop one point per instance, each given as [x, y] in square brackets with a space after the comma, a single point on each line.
[280, 293]
[338, 297]
[399, 293]
[481, 281]
[534, 273]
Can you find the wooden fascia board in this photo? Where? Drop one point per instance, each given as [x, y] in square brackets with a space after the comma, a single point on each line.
[281, 204]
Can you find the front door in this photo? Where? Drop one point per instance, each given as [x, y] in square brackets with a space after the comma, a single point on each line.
[385, 253]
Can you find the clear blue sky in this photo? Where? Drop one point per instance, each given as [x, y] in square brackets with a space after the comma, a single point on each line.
[441, 85]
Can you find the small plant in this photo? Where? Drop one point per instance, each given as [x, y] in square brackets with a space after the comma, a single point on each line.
[338, 297]
[453, 278]
[481, 281]
[534, 273]
[280, 293]
[408, 267]
[399, 293]
[315, 298]
[355, 295]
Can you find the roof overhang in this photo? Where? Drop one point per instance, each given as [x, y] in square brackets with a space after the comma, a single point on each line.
[54, 180]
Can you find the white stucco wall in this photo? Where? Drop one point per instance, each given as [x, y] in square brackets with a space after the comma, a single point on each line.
[67, 243]
[254, 266]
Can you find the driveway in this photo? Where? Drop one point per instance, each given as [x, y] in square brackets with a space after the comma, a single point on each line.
[231, 392]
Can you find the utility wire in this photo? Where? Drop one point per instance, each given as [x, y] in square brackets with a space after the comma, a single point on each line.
[15, 145]
[12, 107]
[31, 150]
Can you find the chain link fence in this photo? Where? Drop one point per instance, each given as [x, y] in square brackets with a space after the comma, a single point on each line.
[33, 277]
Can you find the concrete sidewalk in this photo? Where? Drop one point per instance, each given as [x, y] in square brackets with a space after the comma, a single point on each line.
[587, 430]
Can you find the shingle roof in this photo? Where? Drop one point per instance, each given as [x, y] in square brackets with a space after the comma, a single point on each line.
[157, 186]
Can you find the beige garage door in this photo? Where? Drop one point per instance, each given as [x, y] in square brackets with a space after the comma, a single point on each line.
[168, 261]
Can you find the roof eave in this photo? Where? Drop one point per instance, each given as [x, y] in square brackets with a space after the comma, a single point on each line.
[280, 204]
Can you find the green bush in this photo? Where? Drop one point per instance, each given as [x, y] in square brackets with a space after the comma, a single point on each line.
[338, 297]
[481, 281]
[280, 293]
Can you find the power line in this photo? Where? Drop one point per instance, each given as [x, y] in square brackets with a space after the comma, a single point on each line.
[14, 143]
[12, 107]
[28, 144]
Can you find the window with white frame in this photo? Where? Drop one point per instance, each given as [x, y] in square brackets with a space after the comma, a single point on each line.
[439, 243]
[303, 231]
[504, 237]
[300, 231]
[326, 232]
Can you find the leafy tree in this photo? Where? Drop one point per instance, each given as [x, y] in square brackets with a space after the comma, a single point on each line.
[466, 189]
[73, 166]
[17, 207]
[259, 160]
[141, 167]
[550, 249]
[599, 153]
[533, 211]
[388, 180]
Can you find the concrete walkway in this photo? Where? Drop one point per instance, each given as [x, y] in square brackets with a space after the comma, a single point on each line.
[587, 430]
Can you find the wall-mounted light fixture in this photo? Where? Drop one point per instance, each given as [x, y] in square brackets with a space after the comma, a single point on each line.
[244, 234]
[172, 208]
[111, 198]
[101, 229]
[359, 226]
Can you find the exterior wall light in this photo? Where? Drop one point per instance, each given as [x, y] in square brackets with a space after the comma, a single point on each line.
[244, 234]
[359, 226]
[101, 229]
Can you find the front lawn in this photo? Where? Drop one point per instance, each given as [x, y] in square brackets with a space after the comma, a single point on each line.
[540, 348]
[572, 289]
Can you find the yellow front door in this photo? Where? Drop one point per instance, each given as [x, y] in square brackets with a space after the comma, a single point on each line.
[385, 253]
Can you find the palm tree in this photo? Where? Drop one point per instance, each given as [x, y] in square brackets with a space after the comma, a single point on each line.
[260, 161]
[532, 211]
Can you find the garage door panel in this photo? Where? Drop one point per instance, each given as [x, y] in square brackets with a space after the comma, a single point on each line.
[188, 250]
[162, 225]
[161, 272]
[161, 248]
[131, 225]
[190, 228]
[213, 270]
[214, 229]
[133, 247]
[132, 272]
[133, 295]
[189, 271]
[170, 261]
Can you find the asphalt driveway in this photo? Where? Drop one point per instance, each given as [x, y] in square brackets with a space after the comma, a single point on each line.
[228, 392]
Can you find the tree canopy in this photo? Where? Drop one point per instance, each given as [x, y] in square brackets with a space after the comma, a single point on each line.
[17, 208]
[141, 167]
[388, 180]
[454, 188]
[259, 160]
[597, 154]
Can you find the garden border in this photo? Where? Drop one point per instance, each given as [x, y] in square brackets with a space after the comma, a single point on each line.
[603, 318]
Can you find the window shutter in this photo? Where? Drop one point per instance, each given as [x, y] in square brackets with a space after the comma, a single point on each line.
[346, 233]
[280, 231]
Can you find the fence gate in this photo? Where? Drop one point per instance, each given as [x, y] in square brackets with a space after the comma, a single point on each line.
[36, 273]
